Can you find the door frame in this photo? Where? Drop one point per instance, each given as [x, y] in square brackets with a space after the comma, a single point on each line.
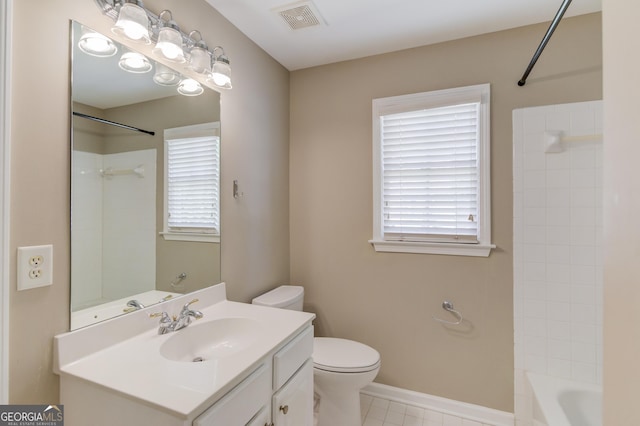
[6, 20]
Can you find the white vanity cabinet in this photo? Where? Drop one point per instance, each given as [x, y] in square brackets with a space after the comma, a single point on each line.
[262, 418]
[284, 398]
[292, 403]
[239, 406]
[257, 368]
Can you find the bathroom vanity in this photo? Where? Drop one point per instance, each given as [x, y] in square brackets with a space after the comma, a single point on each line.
[240, 364]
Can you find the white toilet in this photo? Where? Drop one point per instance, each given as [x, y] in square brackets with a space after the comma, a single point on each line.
[341, 368]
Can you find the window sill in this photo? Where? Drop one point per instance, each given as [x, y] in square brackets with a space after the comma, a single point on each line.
[452, 249]
[199, 238]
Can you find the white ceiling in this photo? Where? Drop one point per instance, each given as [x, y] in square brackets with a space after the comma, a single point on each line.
[358, 28]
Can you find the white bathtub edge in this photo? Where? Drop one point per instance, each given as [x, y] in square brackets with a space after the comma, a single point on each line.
[546, 389]
[478, 413]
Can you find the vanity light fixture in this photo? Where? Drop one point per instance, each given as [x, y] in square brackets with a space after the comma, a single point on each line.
[190, 87]
[165, 76]
[95, 44]
[221, 69]
[200, 57]
[169, 44]
[133, 22]
[135, 62]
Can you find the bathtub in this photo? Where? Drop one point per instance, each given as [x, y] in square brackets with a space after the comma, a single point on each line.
[88, 316]
[562, 402]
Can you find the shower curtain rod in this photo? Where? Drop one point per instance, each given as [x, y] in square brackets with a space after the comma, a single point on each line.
[113, 123]
[545, 40]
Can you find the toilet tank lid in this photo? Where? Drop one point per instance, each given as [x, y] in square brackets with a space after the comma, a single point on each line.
[280, 296]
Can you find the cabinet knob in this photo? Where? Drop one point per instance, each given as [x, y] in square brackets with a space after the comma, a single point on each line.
[284, 409]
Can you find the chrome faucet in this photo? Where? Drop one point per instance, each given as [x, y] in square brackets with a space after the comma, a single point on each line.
[169, 324]
[166, 323]
[184, 318]
[133, 305]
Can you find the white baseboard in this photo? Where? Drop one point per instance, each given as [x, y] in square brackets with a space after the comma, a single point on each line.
[477, 413]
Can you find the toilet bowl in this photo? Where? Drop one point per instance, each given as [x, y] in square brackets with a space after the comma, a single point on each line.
[341, 367]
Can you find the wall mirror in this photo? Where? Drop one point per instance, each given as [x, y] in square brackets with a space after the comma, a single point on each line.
[125, 247]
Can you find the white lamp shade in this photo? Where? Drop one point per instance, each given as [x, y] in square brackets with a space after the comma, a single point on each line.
[135, 62]
[133, 23]
[95, 44]
[190, 87]
[169, 45]
[165, 76]
[200, 60]
[221, 74]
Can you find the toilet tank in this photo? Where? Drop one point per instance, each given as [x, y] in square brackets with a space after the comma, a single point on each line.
[284, 297]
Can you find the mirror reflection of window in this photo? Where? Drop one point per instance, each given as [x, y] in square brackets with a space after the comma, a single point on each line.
[192, 174]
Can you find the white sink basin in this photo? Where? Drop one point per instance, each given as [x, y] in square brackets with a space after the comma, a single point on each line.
[212, 340]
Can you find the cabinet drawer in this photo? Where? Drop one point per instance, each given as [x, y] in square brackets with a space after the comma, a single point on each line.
[288, 359]
[238, 406]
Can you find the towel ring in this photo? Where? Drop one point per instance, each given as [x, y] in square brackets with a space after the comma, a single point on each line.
[448, 306]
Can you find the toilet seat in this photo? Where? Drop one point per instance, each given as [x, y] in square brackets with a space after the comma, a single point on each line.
[343, 356]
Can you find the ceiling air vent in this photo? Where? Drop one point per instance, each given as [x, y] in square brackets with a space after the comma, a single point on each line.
[300, 15]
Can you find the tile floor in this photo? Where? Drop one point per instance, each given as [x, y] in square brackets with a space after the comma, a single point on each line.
[382, 412]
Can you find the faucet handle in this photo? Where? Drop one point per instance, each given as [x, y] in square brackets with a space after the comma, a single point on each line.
[164, 316]
[186, 305]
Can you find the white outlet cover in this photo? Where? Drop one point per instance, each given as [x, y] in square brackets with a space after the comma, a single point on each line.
[30, 276]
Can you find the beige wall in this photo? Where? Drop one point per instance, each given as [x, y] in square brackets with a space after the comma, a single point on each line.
[621, 52]
[254, 149]
[387, 300]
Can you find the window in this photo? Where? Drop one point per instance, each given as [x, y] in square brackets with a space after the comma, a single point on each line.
[431, 172]
[192, 183]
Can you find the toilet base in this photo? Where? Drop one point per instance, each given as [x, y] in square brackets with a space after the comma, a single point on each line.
[340, 396]
[342, 408]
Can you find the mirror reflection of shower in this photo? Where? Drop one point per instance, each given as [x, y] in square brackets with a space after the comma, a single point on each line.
[114, 251]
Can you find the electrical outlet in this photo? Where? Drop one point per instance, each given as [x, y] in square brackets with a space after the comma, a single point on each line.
[35, 266]
[36, 260]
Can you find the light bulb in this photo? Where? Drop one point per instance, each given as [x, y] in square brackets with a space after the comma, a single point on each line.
[96, 44]
[190, 87]
[135, 62]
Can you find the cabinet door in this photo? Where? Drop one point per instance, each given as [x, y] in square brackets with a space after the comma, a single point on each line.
[262, 418]
[239, 406]
[293, 403]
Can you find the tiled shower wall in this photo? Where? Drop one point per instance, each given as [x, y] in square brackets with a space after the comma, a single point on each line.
[86, 238]
[114, 227]
[557, 219]
[129, 225]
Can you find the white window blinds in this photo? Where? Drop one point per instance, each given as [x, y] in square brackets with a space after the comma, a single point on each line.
[430, 174]
[192, 180]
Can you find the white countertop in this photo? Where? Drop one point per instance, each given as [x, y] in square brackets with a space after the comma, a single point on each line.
[125, 357]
